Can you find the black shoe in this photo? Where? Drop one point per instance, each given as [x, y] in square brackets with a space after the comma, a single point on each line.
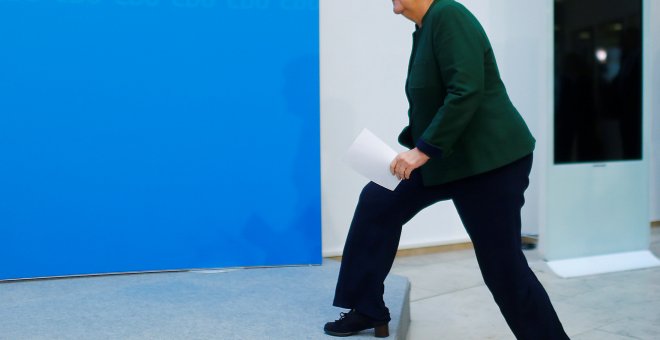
[353, 322]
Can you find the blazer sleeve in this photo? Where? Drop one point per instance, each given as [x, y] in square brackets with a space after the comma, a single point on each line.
[459, 47]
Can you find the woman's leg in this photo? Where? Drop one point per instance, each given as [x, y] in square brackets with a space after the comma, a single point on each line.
[489, 206]
[373, 240]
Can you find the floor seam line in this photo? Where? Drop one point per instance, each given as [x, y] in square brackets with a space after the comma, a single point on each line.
[447, 293]
[618, 334]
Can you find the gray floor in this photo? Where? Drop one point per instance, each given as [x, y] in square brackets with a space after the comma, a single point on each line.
[450, 301]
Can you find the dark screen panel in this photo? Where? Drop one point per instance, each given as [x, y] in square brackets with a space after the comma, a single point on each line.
[598, 81]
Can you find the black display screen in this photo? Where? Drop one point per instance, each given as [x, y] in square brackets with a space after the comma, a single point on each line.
[598, 80]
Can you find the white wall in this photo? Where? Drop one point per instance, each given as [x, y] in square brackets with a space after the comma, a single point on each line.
[364, 56]
[654, 63]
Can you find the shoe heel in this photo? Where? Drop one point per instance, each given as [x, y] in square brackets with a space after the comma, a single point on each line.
[382, 331]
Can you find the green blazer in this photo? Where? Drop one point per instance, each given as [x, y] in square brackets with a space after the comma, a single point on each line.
[460, 114]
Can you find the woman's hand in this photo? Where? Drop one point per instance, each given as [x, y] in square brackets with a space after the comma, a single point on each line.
[404, 163]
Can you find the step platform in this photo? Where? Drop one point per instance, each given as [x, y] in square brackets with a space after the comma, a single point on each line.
[285, 303]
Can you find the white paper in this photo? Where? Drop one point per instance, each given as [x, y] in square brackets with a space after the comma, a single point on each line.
[371, 157]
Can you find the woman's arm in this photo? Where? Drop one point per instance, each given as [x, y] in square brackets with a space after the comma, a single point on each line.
[459, 46]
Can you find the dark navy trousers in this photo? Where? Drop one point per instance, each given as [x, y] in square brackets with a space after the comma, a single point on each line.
[489, 206]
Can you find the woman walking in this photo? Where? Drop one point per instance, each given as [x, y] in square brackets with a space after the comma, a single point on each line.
[467, 144]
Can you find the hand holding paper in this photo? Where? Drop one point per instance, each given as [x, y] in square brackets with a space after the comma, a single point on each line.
[371, 157]
[406, 162]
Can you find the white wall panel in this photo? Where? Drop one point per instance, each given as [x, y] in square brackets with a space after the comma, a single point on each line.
[653, 63]
[364, 55]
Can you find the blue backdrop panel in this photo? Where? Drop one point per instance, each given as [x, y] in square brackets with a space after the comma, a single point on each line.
[147, 135]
